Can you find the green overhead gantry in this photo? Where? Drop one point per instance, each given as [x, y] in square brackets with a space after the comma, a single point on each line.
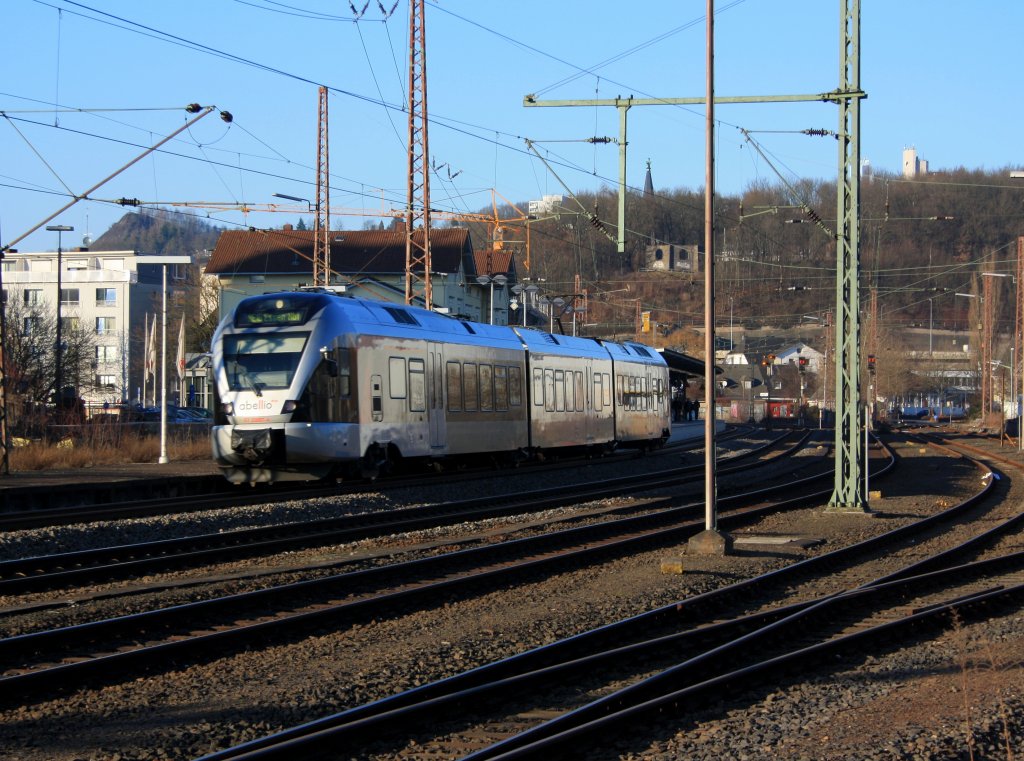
[851, 464]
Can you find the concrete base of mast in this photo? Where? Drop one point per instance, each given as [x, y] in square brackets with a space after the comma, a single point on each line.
[710, 542]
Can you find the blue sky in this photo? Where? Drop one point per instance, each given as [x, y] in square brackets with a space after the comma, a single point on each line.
[942, 76]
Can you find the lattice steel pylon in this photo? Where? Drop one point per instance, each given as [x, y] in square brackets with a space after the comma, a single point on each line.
[417, 251]
[5, 465]
[322, 225]
[1018, 339]
[987, 315]
[851, 459]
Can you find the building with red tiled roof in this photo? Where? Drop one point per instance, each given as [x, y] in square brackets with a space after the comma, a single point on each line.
[366, 263]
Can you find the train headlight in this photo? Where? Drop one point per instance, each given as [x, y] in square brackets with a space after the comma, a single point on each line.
[289, 406]
[228, 408]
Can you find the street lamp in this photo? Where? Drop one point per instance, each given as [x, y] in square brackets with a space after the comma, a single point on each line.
[164, 260]
[732, 346]
[309, 204]
[492, 280]
[986, 339]
[58, 380]
[523, 292]
[930, 322]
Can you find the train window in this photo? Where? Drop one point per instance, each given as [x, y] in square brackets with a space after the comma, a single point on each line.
[500, 388]
[486, 388]
[515, 386]
[417, 385]
[580, 400]
[469, 380]
[643, 393]
[549, 390]
[396, 377]
[538, 387]
[327, 396]
[454, 386]
[559, 390]
[598, 390]
[344, 372]
[258, 362]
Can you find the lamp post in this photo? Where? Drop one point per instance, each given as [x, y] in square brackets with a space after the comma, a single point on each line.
[523, 291]
[986, 340]
[1013, 390]
[309, 204]
[732, 346]
[556, 303]
[492, 280]
[164, 260]
[930, 323]
[58, 380]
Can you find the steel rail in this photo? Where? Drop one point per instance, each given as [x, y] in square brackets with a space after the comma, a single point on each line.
[548, 662]
[131, 560]
[535, 554]
[643, 699]
[105, 507]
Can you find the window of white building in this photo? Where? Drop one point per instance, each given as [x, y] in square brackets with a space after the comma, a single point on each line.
[106, 297]
[106, 354]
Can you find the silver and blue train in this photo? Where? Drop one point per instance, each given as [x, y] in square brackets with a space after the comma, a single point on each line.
[314, 385]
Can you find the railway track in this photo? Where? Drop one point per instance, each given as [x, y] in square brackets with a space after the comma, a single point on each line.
[37, 661]
[192, 703]
[60, 570]
[714, 647]
[39, 515]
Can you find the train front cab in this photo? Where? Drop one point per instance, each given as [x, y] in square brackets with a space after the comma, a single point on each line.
[283, 379]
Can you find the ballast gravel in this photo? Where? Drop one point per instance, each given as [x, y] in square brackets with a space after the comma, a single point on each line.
[934, 699]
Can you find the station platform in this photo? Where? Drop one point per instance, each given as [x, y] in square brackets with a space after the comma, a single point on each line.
[691, 430]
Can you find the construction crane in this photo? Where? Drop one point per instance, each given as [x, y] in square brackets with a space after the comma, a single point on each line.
[496, 224]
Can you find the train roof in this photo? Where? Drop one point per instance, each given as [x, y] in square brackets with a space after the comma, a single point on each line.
[538, 342]
[399, 319]
[388, 318]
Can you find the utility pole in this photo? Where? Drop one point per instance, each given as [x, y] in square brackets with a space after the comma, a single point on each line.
[417, 252]
[322, 225]
[851, 458]
[1018, 342]
[5, 465]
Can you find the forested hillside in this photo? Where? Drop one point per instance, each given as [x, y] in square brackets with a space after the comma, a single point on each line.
[159, 232]
[775, 250]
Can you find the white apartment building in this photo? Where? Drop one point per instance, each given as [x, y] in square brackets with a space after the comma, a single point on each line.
[111, 293]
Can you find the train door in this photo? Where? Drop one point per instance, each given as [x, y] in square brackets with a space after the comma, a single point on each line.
[435, 397]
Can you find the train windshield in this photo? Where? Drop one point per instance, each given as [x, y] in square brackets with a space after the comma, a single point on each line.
[258, 362]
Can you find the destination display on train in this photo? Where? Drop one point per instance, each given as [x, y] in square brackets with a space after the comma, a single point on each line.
[270, 311]
[289, 317]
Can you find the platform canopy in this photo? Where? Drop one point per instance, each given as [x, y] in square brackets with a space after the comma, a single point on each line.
[682, 367]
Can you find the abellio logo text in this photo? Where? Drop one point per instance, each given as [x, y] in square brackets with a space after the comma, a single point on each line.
[256, 405]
